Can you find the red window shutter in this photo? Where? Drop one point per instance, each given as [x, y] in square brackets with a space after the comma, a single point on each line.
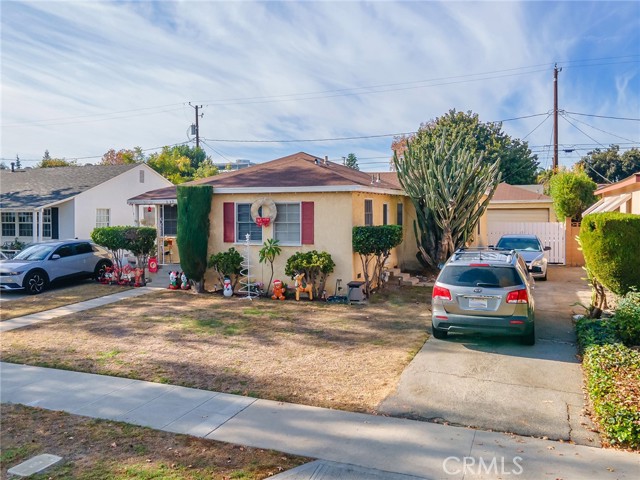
[229, 220]
[307, 223]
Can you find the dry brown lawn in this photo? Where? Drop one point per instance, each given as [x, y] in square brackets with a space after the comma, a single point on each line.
[313, 353]
[98, 450]
[58, 296]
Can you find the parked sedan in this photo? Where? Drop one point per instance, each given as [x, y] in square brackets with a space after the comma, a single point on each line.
[41, 263]
[530, 249]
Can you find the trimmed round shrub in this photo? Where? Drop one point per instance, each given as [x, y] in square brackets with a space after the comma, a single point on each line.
[610, 247]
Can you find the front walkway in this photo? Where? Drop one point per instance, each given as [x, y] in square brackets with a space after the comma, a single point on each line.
[422, 449]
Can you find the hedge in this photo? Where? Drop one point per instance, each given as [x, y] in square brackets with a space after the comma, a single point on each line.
[609, 243]
[612, 373]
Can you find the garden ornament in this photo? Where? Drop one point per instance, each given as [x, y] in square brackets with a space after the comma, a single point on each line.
[138, 276]
[302, 286]
[173, 280]
[184, 282]
[278, 290]
[228, 291]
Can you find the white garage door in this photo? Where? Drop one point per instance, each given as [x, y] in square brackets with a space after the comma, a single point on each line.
[517, 215]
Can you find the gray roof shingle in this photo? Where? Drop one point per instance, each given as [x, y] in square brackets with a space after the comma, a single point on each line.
[38, 187]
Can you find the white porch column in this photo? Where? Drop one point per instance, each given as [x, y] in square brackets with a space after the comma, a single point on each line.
[34, 226]
[136, 215]
[40, 224]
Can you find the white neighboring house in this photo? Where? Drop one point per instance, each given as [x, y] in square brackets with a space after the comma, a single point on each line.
[69, 202]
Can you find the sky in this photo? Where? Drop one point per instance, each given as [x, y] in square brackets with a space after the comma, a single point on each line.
[80, 78]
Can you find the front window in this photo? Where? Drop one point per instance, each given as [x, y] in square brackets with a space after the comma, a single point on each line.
[287, 224]
[8, 224]
[244, 225]
[25, 224]
[46, 223]
[102, 217]
[170, 220]
[385, 214]
[400, 214]
[368, 213]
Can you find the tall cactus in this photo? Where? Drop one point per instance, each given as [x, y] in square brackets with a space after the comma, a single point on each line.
[446, 183]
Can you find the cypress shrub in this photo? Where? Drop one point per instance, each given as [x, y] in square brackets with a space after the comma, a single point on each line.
[194, 205]
[610, 246]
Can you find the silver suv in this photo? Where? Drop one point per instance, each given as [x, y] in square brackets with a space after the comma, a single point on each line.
[41, 263]
[484, 291]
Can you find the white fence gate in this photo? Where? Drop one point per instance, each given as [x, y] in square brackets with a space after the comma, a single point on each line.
[552, 234]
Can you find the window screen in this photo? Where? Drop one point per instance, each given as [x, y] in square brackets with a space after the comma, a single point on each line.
[170, 220]
[368, 213]
[287, 224]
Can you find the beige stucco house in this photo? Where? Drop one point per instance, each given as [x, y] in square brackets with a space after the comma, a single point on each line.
[317, 203]
[622, 196]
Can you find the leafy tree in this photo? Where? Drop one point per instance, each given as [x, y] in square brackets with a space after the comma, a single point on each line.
[56, 162]
[446, 182]
[352, 161]
[316, 266]
[268, 253]
[206, 169]
[374, 244]
[227, 264]
[603, 165]
[141, 241]
[518, 164]
[181, 163]
[194, 206]
[123, 156]
[544, 178]
[572, 193]
[113, 239]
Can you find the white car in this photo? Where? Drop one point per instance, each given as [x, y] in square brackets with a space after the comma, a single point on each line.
[530, 249]
[39, 264]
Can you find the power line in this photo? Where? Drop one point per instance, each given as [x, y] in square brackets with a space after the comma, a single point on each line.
[596, 128]
[605, 116]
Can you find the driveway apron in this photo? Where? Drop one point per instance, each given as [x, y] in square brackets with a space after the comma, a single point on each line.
[494, 383]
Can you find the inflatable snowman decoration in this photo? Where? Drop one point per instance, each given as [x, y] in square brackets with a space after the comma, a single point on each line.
[228, 291]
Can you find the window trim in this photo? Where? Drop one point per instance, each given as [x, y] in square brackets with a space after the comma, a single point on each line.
[99, 223]
[290, 244]
[237, 229]
[370, 213]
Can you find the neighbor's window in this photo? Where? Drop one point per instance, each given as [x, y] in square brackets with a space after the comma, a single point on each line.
[244, 224]
[169, 220]
[385, 213]
[46, 223]
[8, 224]
[287, 224]
[368, 213]
[400, 214]
[102, 217]
[25, 224]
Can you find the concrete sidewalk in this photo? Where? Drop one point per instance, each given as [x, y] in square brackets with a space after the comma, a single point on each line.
[26, 320]
[393, 445]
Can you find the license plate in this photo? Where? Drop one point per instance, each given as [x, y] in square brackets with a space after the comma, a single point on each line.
[477, 302]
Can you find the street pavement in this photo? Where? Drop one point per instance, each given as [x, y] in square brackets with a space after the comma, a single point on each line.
[494, 383]
[387, 445]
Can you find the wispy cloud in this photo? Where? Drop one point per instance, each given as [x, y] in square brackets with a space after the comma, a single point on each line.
[75, 75]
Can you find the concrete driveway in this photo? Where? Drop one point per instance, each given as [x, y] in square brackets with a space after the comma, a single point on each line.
[494, 383]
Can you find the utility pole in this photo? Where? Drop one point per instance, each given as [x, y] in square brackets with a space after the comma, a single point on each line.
[555, 117]
[197, 126]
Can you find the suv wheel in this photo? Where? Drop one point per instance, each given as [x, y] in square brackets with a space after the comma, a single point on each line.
[438, 333]
[529, 338]
[100, 270]
[35, 282]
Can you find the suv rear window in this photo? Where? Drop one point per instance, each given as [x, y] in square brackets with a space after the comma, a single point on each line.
[473, 276]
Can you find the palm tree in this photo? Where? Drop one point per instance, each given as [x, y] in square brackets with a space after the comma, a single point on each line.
[268, 253]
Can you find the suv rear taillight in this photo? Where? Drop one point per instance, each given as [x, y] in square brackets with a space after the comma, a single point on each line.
[441, 292]
[518, 296]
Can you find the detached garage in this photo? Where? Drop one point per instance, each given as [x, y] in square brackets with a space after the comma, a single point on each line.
[511, 204]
